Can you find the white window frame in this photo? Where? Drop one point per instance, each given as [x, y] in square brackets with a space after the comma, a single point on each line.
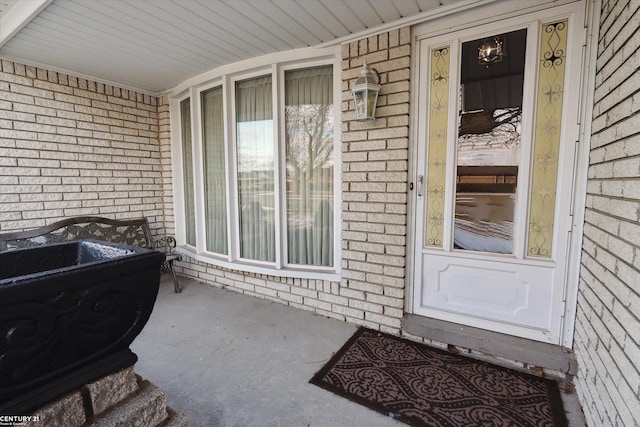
[275, 65]
[178, 168]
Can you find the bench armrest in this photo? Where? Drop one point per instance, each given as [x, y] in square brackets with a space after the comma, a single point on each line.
[167, 244]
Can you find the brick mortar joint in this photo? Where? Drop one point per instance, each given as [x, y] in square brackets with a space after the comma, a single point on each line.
[42, 74]
[376, 40]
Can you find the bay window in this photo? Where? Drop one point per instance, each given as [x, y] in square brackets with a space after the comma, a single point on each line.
[265, 144]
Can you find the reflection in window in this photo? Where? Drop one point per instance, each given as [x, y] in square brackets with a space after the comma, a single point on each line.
[488, 145]
[215, 174]
[296, 229]
[255, 153]
[309, 157]
[187, 168]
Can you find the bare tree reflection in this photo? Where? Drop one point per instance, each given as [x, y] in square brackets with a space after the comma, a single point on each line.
[309, 158]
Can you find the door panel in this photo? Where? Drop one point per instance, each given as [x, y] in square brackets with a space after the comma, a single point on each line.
[517, 295]
[492, 233]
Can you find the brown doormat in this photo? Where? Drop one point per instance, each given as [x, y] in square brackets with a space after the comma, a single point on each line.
[423, 386]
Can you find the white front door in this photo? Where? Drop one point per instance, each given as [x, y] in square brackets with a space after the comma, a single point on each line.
[497, 132]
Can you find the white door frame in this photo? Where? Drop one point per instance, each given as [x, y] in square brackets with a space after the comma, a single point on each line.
[526, 12]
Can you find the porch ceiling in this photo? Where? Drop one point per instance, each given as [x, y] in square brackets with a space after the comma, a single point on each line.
[153, 45]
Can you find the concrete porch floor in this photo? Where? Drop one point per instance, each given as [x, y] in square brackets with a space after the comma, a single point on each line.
[226, 359]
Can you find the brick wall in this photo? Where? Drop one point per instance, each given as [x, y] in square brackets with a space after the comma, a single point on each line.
[607, 335]
[374, 211]
[374, 183]
[69, 146]
[319, 296]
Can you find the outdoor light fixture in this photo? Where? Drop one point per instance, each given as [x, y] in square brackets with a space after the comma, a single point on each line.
[490, 51]
[365, 93]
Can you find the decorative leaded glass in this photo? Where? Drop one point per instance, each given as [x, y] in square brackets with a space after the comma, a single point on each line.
[551, 72]
[437, 148]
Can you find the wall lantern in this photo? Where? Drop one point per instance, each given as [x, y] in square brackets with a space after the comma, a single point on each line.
[365, 93]
[490, 51]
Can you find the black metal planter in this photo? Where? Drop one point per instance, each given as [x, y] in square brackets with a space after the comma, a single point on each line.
[68, 313]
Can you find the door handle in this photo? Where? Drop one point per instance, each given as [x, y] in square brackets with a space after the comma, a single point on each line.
[420, 185]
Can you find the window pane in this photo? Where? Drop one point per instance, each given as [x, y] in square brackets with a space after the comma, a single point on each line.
[255, 153]
[309, 162]
[187, 167]
[215, 173]
[489, 137]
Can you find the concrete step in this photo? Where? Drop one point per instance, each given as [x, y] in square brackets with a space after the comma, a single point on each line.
[147, 407]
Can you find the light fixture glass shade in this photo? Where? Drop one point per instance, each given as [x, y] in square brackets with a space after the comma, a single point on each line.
[365, 93]
[490, 51]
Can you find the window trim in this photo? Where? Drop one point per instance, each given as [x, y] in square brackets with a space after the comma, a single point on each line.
[175, 120]
[233, 144]
[337, 82]
[227, 81]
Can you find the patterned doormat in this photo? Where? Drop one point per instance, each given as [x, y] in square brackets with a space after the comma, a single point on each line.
[423, 386]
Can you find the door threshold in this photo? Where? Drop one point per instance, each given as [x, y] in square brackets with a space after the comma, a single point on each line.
[533, 353]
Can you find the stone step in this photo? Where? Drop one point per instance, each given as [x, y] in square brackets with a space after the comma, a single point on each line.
[147, 407]
[174, 419]
[121, 399]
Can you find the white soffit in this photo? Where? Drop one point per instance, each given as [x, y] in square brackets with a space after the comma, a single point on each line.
[153, 45]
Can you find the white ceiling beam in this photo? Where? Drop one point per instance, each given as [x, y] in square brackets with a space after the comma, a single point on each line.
[19, 15]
